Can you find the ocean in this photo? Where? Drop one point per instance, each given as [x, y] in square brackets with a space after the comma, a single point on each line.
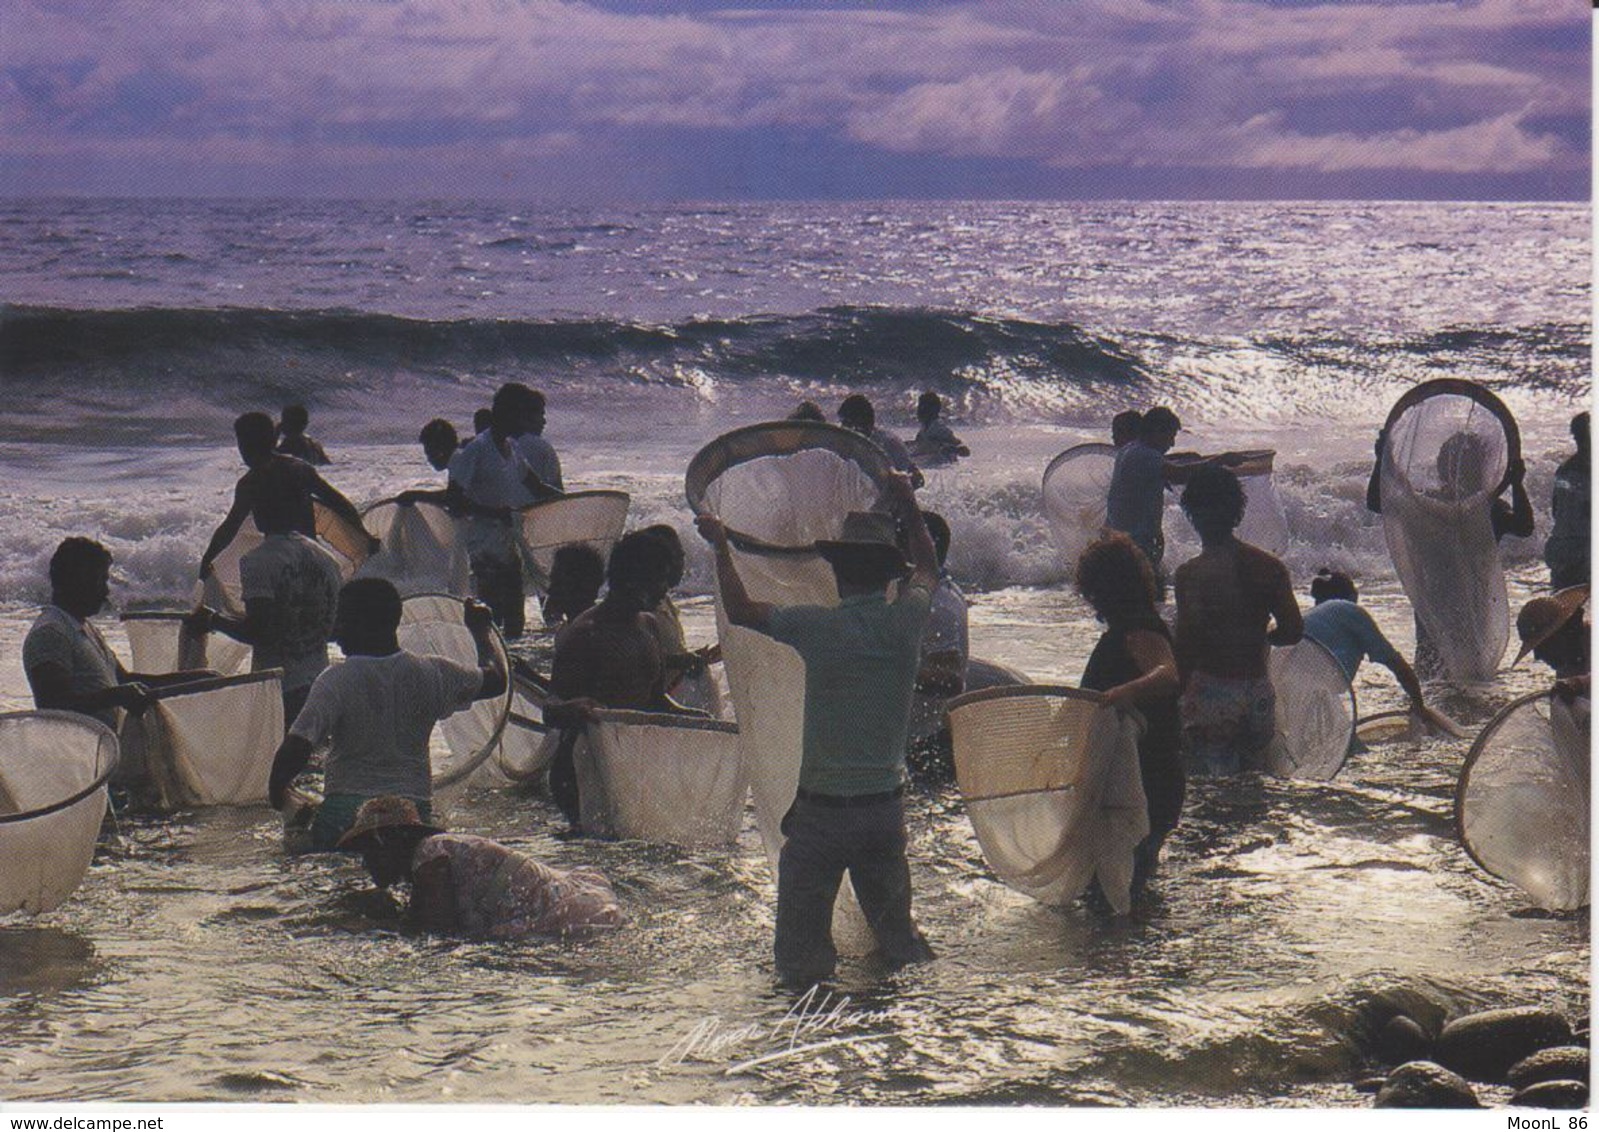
[198, 963]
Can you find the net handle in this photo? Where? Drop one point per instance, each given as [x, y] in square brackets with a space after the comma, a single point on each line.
[100, 780]
[1459, 387]
[665, 719]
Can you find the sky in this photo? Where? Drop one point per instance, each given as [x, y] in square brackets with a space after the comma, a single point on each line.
[656, 100]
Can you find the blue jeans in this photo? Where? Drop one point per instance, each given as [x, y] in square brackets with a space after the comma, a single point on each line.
[822, 844]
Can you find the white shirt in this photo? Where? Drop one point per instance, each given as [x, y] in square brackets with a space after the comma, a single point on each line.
[77, 647]
[379, 711]
[540, 456]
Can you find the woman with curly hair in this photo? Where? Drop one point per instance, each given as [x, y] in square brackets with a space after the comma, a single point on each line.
[1133, 665]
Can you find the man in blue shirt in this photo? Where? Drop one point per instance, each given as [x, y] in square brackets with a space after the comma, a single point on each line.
[1137, 496]
[1347, 631]
[861, 659]
[1566, 552]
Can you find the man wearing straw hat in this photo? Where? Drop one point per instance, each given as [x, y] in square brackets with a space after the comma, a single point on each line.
[1554, 629]
[861, 659]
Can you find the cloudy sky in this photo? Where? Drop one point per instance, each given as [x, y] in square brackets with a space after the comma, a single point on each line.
[694, 99]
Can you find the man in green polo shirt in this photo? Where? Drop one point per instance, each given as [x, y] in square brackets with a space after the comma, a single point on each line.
[861, 659]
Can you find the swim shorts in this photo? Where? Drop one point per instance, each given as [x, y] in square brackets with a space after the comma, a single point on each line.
[1228, 724]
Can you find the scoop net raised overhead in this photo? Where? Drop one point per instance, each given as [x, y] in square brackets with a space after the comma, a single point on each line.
[159, 644]
[435, 625]
[589, 518]
[222, 590]
[1051, 783]
[54, 766]
[1522, 804]
[1075, 486]
[423, 551]
[1449, 448]
[670, 779]
[779, 487]
[1315, 712]
[208, 742]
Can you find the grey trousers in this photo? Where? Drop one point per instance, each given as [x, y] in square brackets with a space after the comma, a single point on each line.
[823, 844]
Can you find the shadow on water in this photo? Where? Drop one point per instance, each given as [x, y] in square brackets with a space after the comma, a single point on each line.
[45, 960]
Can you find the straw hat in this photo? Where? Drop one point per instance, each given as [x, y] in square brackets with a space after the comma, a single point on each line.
[1543, 617]
[867, 535]
[387, 814]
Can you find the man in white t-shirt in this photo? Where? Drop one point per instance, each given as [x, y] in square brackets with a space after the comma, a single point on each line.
[536, 450]
[378, 709]
[290, 586]
[489, 482]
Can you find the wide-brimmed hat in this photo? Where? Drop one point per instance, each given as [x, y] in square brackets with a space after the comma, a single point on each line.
[1543, 617]
[390, 814]
[867, 536]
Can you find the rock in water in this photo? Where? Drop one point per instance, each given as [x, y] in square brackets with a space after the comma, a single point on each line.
[1552, 1094]
[1424, 1084]
[1559, 1063]
[1402, 1040]
[1484, 1046]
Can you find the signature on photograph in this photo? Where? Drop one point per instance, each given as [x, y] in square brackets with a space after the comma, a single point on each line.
[818, 1020]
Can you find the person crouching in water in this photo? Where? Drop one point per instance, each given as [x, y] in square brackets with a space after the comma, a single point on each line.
[471, 886]
[1133, 666]
[1226, 596]
[861, 658]
[378, 708]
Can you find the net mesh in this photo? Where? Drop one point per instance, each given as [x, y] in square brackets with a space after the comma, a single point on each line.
[48, 758]
[221, 589]
[1448, 448]
[779, 488]
[1315, 712]
[591, 518]
[662, 778]
[159, 644]
[208, 743]
[423, 549]
[1051, 783]
[1075, 486]
[434, 625]
[526, 745]
[1522, 806]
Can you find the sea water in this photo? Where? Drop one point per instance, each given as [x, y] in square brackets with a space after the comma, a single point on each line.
[197, 962]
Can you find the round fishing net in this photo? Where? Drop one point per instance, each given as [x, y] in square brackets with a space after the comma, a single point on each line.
[221, 589]
[526, 745]
[1075, 485]
[668, 779]
[159, 644]
[423, 551]
[208, 742]
[1446, 459]
[54, 766]
[1051, 783]
[1315, 712]
[779, 487]
[590, 518]
[1522, 805]
[434, 625]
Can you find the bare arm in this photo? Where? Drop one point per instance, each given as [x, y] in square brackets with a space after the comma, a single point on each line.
[1157, 665]
[52, 690]
[294, 753]
[1520, 520]
[335, 501]
[478, 619]
[1289, 622]
[229, 528]
[741, 610]
[1374, 485]
[924, 558]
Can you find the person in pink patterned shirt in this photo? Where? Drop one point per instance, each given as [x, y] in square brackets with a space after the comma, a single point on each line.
[471, 886]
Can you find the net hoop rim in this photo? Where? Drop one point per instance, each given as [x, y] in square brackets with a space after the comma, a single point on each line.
[1354, 704]
[1471, 390]
[394, 500]
[154, 615]
[591, 493]
[1095, 447]
[665, 719]
[742, 445]
[482, 754]
[1477, 746]
[100, 780]
[1015, 691]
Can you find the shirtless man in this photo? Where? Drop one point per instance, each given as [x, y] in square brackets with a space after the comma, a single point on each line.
[293, 438]
[856, 413]
[294, 480]
[1226, 597]
[609, 656]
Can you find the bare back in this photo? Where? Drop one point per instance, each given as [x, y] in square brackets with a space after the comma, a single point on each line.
[615, 660]
[1227, 597]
